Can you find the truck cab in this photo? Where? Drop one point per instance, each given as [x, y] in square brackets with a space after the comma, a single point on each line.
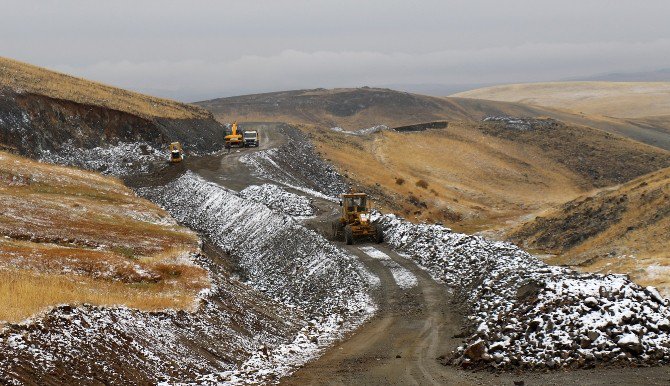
[251, 138]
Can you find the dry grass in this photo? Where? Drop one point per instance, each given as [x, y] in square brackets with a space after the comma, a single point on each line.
[475, 180]
[617, 230]
[32, 79]
[614, 99]
[24, 293]
[69, 226]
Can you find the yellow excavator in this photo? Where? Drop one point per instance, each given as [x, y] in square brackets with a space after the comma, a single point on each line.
[354, 222]
[235, 138]
[176, 152]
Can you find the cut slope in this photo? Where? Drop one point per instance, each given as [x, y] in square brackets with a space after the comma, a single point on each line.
[475, 176]
[621, 230]
[70, 236]
[613, 99]
[60, 118]
[30, 79]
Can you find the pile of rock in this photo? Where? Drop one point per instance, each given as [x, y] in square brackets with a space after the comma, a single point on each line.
[279, 199]
[296, 164]
[523, 124]
[523, 313]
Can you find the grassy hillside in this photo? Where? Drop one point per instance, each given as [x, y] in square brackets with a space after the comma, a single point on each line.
[613, 99]
[27, 78]
[70, 236]
[359, 108]
[622, 230]
[474, 176]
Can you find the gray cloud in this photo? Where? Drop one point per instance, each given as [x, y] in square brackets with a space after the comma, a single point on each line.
[202, 49]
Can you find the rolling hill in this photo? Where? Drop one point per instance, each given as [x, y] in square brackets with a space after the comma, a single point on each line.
[355, 108]
[625, 229]
[477, 175]
[611, 99]
[359, 108]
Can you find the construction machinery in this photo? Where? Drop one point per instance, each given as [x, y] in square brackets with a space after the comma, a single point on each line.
[235, 138]
[176, 152]
[251, 138]
[354, 222]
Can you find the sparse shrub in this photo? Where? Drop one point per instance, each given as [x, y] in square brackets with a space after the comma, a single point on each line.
[422, 184]
[414, 200]
[452, 216]
[399, 181]
[169, 270]
[434, 192]
[124, 251]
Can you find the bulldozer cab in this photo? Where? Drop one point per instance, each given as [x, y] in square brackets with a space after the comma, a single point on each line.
[354, 203]
[176, 152]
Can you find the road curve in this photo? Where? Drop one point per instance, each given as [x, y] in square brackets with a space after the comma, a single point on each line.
[413, 328]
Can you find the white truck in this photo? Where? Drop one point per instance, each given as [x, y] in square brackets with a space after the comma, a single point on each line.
[251, 138]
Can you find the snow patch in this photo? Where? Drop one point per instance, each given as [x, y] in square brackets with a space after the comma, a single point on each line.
[402, 276]
[279, 199]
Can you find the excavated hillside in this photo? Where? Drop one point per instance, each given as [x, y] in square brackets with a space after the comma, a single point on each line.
[53, 116]
[478, 175]
[620, 230]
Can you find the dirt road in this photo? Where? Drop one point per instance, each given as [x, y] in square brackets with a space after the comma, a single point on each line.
[414, 327]
[402, 344]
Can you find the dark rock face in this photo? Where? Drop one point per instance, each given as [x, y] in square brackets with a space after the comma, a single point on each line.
[422, 126]
[35, 124]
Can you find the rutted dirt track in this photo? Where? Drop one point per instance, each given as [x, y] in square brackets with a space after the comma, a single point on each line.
[414, 329]
[401, 345]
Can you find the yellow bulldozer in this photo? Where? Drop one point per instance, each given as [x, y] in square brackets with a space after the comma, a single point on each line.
[176, 152]
[354, 222]
[235, 138]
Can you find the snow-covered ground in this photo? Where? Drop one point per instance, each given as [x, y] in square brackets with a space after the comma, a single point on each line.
[119, 160]
[296, 165]
[525, 313]
[402, 277]
[278, 256]
[366, 131]
[83, 344]
[520, 123]
[279, 199]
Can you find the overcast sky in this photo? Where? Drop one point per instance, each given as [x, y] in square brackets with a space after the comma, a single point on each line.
[193, 50]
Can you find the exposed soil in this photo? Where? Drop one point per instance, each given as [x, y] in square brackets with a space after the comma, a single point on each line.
[36, 125]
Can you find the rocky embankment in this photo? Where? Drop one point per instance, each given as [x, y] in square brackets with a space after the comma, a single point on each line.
[296, 164]
[117, 345]
[523, 313]
[96, 137]
[273, 253]
[279, 199]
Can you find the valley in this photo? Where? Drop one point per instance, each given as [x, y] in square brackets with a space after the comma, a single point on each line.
[223, 269]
